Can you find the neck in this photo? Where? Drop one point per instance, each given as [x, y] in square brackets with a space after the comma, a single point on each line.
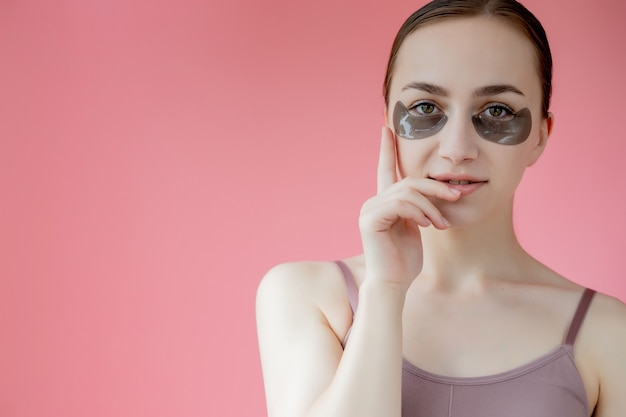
[468, 259]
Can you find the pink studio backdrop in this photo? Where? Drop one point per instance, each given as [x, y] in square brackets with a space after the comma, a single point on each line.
[158, 157]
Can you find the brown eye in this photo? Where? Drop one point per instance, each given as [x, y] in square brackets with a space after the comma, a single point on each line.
[423, 108]
[426, 108]
[499, 112]
[495, 111]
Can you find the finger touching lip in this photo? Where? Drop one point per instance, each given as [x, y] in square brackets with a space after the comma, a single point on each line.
[467, 189]
[464, 184]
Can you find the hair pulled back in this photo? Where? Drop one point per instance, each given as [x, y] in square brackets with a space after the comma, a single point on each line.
[509, 11]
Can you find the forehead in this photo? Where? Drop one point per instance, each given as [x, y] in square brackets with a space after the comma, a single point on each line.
[461, 54]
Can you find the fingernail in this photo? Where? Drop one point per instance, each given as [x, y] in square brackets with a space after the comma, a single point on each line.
[446, 222]
[455, 191]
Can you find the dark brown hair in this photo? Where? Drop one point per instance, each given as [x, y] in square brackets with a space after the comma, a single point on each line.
[509, 11]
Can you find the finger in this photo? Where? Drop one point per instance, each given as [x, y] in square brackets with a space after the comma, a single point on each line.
[406, 210]
[421, 203]
[431, 188]
[382, 217]
[420, 192]
[386, 161]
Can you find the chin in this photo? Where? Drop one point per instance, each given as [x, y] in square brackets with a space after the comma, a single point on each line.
[466, 217]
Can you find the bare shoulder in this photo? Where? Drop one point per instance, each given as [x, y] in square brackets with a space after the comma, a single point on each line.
[604, 327]
[295, 276]
[307, 281]
[607, 323]
[603, 336]
[309, 290]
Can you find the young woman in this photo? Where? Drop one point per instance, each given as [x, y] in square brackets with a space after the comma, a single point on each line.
[451, 316]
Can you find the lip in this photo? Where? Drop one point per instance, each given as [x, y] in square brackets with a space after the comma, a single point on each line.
[475, 183]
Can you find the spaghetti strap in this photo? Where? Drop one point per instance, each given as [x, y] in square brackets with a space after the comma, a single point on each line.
[579, 317]
[353, 292]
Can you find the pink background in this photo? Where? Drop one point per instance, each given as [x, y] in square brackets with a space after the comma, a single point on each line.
[158, 157]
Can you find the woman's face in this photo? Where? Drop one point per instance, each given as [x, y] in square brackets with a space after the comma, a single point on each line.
[457, 77]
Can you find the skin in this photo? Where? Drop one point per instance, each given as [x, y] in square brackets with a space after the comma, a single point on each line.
[430, 293]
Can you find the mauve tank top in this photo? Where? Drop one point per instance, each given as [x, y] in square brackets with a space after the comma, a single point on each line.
[549, 386]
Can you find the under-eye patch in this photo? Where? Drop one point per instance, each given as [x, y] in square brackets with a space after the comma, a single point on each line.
[409, 126]
[511, 131]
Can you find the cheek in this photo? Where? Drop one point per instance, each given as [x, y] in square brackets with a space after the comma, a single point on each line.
[510, 163]
[534, 146]
[411, 155]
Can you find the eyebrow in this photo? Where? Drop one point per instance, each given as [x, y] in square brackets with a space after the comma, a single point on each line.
[429, 88]
[489, 90]
[492, 90]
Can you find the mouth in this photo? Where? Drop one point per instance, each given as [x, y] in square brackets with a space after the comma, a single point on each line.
[461, 182]
[465, 184]
[464, 181]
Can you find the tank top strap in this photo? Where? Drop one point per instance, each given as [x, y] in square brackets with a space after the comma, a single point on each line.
[579, 316]
[353, 292]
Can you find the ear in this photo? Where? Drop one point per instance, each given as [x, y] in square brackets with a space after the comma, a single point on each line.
[547, 123]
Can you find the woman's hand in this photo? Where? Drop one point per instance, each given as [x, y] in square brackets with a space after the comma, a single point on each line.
[390, 221]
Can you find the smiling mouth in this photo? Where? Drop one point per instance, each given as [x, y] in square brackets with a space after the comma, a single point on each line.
[458, 182]
[465, 186]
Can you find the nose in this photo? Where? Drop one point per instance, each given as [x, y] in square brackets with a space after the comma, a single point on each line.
[457, 140]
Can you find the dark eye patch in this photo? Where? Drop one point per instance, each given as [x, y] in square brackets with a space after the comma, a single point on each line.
[512, 131]
[409, 126]
[505, 132]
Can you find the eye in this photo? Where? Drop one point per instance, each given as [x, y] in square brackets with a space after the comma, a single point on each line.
[423, 108]
[499, 112]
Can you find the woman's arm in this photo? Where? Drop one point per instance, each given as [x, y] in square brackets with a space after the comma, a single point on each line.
[305, 370]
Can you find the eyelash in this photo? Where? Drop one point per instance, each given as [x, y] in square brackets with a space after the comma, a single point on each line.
[496, 105]
[421, 103]
[499, 106]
